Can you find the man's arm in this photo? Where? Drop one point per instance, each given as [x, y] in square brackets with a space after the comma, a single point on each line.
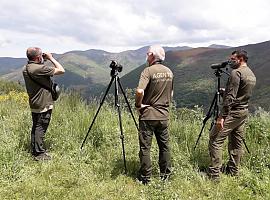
[229, 97]
[143, 82]
[139, 98]
[58, 67]
[230, 93]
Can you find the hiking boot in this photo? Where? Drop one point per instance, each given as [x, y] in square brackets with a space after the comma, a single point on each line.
[231, 171]
[214, 178]
[143, 180]
[207, 175]
[42, 157]
[164, 177]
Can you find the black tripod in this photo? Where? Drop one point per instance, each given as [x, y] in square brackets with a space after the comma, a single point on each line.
[214, 108]
[114, 78]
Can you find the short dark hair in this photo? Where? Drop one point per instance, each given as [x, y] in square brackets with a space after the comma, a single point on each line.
[33, 52]
[241, 54]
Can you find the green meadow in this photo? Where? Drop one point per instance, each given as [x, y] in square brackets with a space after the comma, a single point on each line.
[97, 171]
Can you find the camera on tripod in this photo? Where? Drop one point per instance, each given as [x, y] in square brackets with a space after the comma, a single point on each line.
[222, 65]
[116, 66]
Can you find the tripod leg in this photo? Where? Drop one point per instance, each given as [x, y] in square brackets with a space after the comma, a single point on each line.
[208, 115]
[129, 107]
[216, 109]
[199, 135]
[120, 122]
[244, 141]
[102, 101]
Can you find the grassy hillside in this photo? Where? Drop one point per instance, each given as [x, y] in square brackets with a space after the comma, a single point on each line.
[96, 172]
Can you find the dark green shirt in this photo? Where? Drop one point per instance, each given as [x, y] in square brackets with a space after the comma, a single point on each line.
[157, 83]
[238, 90]
[40, 99]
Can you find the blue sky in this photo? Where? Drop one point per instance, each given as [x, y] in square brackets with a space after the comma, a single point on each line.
[117, 25]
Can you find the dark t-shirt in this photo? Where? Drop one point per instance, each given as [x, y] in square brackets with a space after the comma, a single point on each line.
[238, 90]
[157, 83]
[40, 99]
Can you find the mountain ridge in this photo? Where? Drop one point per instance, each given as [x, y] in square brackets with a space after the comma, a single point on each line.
[88, 71]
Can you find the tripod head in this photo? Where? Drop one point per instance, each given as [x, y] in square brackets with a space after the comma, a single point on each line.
[116, 68]
[219, 66]
[218, 72]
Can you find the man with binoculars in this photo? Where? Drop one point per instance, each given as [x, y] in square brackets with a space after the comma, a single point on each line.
[37, 78]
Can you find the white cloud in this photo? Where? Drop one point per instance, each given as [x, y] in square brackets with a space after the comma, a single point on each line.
[65, 25]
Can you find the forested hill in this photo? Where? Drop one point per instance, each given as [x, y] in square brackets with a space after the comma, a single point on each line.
[195, 82]
[86, 71]
[89, 71]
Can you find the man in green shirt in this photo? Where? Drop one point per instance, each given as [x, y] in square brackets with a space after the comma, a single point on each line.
[36, 75]
[153, 96]
[233, 116]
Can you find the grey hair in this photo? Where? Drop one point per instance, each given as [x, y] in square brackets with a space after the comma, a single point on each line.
[33, 52]
[158, 52]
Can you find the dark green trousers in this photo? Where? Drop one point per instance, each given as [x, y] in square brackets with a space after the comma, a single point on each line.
[160, 129]
[234, 130]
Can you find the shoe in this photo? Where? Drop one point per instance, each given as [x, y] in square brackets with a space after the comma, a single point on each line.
[42, 157]
[144, 181]
[214, 178]
[164, 177]
[224, 169]
[229, 171]
[207, 175]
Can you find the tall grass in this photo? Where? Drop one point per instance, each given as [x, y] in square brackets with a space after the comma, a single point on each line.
[96, 172]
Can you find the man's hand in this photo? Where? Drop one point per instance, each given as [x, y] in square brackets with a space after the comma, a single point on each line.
[141, 107]
[138, 100]
[47, 56]
[220, 123]
[221, 91]
[58, 67]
